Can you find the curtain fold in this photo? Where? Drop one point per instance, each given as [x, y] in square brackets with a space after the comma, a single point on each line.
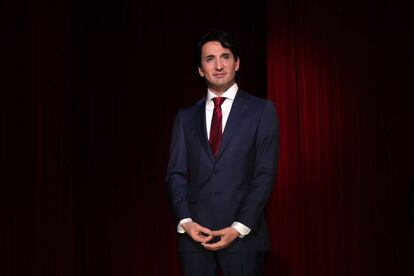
[343, 169]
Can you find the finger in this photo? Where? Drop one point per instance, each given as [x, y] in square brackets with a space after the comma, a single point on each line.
[210, 248]
[208, 238]
[204, 230]
[198, 238]
[201, 238]
[219, 233]
[215, 246]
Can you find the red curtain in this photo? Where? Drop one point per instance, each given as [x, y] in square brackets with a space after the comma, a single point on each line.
[339, 75]
[82, 187]
[89, 92]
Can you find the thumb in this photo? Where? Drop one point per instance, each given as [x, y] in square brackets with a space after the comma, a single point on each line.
[217, 233]
[204, 229]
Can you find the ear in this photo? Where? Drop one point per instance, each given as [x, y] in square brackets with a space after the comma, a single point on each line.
[200, 71]
[237, 64]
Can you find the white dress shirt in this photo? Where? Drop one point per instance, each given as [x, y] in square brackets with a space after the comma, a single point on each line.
[230, 94]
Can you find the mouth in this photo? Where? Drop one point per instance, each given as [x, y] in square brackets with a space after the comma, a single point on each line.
[219, 75]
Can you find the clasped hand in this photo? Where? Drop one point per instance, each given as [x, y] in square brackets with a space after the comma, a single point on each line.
[204, 235]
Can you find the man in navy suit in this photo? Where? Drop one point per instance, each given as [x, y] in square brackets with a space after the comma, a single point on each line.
[223, 159]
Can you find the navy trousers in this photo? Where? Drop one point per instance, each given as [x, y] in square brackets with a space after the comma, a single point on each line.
[208, 263]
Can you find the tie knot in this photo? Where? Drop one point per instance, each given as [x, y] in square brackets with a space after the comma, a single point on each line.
[218, 101]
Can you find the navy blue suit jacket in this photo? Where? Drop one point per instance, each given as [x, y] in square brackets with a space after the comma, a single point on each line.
[235, 186]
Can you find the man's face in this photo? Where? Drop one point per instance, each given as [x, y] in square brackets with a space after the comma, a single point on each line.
[218, 66]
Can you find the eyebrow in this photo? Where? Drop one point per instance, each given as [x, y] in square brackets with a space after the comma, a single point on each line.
[222, 55]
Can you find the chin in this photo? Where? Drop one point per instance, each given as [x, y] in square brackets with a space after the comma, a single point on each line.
[222, 83]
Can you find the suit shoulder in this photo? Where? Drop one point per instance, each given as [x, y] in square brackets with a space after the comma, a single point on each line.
[256, 100]
[191, 109]
[194, 106]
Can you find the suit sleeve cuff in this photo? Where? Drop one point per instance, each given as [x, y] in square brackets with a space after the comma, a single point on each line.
[241, 228]
[180, 228]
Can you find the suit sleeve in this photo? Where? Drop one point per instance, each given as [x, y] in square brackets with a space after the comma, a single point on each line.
[267, 150]
[177, 171]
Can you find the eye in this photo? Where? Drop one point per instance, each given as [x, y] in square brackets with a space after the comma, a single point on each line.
[209, 58]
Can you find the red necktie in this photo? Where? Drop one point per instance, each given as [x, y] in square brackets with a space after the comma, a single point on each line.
[216, 129]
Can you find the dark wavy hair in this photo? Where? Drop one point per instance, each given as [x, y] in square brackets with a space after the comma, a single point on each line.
[226, 40]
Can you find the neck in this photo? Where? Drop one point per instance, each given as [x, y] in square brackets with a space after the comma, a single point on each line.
[219, 90]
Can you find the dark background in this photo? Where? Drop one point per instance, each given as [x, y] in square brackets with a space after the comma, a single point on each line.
[89, 92]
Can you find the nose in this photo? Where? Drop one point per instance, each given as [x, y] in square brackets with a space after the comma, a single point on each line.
[219, 65]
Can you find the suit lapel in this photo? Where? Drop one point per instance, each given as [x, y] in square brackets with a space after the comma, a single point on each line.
[201, 128]
[237, 113]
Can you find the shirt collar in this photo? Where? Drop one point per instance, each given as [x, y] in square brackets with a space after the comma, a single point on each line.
[230, 94]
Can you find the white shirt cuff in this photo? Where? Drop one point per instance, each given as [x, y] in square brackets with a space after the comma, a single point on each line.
[180, 228]
[241, 228]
